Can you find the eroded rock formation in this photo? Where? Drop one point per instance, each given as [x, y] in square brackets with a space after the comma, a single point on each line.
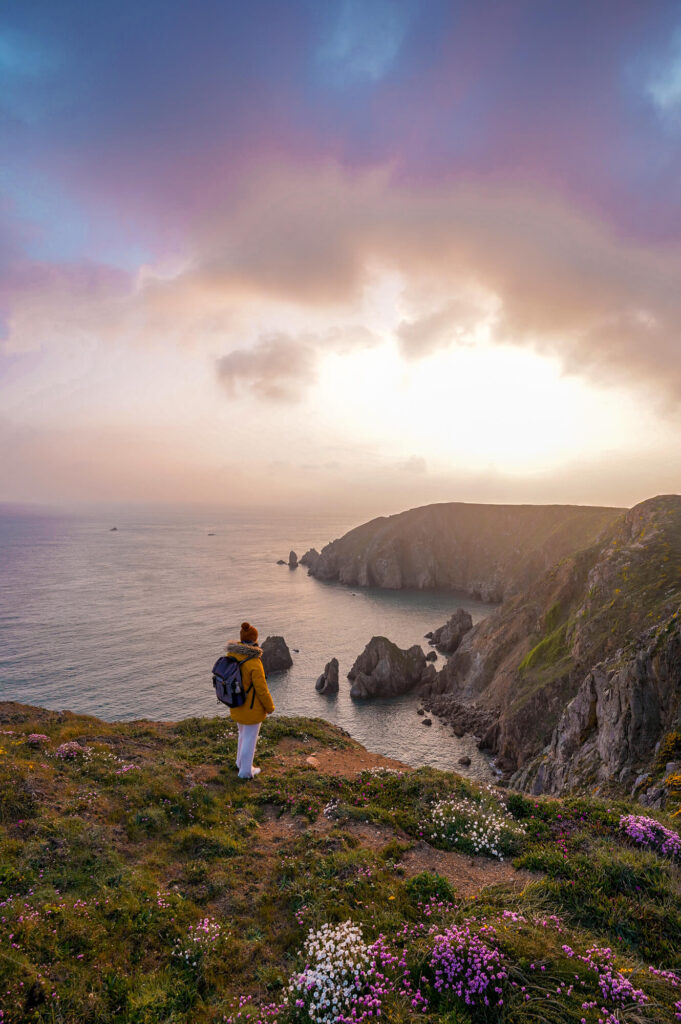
[276, 656]
[448, 637]
[328, 680]
[613, 727]
[311, 560]
[385, 670]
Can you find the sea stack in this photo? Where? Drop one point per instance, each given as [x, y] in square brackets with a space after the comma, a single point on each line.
[292, 560]
[328, 680]
[385, 670]
[276, 656]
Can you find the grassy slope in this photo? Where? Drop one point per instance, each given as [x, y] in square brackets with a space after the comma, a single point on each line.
[104, 868]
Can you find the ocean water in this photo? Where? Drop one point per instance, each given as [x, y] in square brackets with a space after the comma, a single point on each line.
[127, 624]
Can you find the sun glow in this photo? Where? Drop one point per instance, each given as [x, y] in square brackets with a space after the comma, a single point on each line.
[476, 406]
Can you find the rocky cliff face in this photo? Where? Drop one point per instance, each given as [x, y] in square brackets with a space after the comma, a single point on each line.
[613, 728]
[576, 662]
[487, 551]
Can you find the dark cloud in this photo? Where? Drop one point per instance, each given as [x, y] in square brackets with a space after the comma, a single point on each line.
[278, 368]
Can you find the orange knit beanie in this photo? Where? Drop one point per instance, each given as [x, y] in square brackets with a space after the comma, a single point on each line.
[249, 633]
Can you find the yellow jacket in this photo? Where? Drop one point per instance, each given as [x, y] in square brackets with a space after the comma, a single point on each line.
[259, 703]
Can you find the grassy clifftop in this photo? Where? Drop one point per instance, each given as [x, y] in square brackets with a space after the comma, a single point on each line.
[141, 881]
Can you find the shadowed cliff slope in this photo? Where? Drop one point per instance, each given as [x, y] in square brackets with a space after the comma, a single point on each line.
[487, 551]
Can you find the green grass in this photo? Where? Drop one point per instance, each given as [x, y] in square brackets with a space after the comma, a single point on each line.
[103, 873]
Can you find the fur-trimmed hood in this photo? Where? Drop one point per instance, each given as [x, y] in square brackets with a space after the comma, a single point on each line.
[244, 650]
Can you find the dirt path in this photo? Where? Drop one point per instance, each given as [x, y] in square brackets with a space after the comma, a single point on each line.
[351, 760]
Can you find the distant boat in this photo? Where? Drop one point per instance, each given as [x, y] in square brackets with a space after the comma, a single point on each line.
[113, 529]
[211, 534]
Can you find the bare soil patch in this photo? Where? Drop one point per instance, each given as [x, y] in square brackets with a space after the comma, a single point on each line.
[468, 875]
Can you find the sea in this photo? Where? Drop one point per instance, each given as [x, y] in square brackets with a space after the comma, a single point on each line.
[121, 613]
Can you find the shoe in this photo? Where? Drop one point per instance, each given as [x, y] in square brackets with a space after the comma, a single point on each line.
[256, 771]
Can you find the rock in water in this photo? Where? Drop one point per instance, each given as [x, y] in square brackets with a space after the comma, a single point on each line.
[328, 680]
[431, 656]
[384, 670]
[310, 560]
[292, 560]
[448, 637]
[276, 656]
[281, 561]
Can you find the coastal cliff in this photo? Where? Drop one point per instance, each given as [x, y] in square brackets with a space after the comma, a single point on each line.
[487, 551]
[586, 662]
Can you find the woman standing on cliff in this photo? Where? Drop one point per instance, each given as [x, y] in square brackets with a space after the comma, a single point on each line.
[259, 704]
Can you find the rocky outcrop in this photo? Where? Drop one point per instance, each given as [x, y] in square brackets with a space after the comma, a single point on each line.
[487, 551]
[276, 656]
[385, 670]
[311, 560]
[292, 560]
[462, 718]
[328, 680]
[578, 634]
[610, 732]
[448, 637]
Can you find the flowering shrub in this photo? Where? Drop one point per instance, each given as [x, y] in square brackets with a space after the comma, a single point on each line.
[71, 750]
[36, 738]
[199, 938]
[613, 985]
[333, 979]
[651, 834]
[465, 965]
[475, 828]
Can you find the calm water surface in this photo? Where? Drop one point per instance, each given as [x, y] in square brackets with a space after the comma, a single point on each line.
[127, 624]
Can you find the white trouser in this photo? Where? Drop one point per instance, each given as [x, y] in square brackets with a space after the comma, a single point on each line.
[248, 737]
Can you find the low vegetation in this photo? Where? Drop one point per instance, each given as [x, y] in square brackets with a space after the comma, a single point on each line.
[141, 881]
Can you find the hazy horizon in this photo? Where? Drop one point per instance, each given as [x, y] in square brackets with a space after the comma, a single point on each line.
[349, 256]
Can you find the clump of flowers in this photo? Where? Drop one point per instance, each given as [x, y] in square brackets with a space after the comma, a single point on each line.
[614, 986]
[199, 938]
[71, 750]
[36, 738]
[380, 772]
[468, 967]
[651, 834]
[334, 976]
[473, 827]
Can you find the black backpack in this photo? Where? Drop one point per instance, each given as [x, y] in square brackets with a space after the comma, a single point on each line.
[229, 688]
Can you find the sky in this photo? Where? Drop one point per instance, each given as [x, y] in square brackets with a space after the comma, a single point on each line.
[357, 255]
